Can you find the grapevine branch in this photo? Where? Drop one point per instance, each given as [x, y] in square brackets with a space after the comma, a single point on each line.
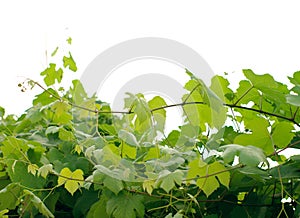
[182, 104]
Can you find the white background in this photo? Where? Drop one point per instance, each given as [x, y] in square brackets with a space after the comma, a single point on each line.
[229, 35]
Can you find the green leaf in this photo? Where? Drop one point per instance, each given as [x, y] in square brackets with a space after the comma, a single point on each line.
[295, 79]
[46, 97]
[61, 112]
[168, 179]
[219, 85]
[260, 81]
[282, 135]
[128, 151]
[31, 198]
[52, 130]
[98, 209]
[268, 86]
[246, 93]
[172, 138]
[128, 137]
[113, 184]
[9, 196]
[208, 175]
[69, 62]
[158, 115]
[153, 153]
[188, 135]
[78, 93]
[84, 202]
[51, 74]
[248, 155]
[125, 205]
[66, 135]
[260, 136]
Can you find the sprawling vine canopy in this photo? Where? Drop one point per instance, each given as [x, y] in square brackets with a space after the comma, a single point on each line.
[70, 155]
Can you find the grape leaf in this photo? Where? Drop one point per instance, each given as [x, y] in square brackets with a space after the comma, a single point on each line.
[219, 85]
[125, 205]
[69, 62]
[282, 134]
[69, 40]
[31, 198]
[208, 175]
[172, 138]
[51, 74]
[128, 137]
[9, 196]
[113, 184]
[61, 112]
[71, 180]
[45, 170]
[65, 135]
[78, 93]
[98, 209]
[46, 97]
[248, 155]
[32, 168]
[260, 136]
[293, 100]
[168, 180]
[158, 115]
[148, 186]
[128, 151]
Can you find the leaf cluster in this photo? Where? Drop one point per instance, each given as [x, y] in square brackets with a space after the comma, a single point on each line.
[70, 155]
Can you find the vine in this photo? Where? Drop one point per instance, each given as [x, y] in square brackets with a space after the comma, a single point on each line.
[69, 155]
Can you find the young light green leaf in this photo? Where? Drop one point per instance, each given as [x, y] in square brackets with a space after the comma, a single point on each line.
[71, 180]
[148, 186]
[69, 40]
[69, 62]
[32, 168]
[45, 170]
[3, 212]
[51, 74]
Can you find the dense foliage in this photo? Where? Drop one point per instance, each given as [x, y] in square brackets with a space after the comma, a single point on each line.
[69, 155]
